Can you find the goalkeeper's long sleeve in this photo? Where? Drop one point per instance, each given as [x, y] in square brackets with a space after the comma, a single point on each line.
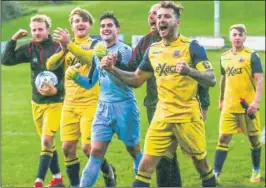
[85, 56]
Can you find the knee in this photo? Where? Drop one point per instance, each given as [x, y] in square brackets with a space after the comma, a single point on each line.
[86, 148]
[147, 165]
[133, 150]
[97, 152]
[47, 142]
[69, 149]
[254, 141]
[225, 138]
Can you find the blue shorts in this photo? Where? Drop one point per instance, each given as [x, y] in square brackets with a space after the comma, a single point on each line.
[121, 118]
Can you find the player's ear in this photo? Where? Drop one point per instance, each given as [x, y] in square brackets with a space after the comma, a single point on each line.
[118, 30]
[178, 22]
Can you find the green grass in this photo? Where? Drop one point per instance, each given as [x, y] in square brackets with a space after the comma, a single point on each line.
[197, 19]
[21, 145]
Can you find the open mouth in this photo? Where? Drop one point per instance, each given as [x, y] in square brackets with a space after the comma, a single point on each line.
[162, 28]
[152, 24]
[106, 33]
[81, 29]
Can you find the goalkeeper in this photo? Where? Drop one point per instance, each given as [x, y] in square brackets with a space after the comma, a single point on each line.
[117, 110]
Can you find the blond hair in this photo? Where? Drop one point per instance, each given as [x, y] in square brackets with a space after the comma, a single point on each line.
[240, 27]
[178, 9]
[82, 13]
[42, 18]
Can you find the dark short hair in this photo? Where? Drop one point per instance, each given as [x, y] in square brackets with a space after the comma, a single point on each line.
[178, 9]
[110, 15]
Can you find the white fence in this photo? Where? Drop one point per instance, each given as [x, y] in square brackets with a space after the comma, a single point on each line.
[215, 43]
[210, 43]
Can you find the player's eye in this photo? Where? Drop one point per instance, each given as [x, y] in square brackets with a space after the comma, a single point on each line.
[109, 25]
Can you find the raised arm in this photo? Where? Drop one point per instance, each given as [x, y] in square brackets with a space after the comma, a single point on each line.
[11, 55]
[85, 56]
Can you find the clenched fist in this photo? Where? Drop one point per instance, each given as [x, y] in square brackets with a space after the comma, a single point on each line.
[20, 34]
[183, 68]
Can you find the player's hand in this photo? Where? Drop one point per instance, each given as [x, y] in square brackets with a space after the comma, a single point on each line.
[62, 35]
[108, 62]
[182, 68]
[20, 34]
[221, 105]
[204, 114]
[253, 107]
[48, 90]
[72, 72]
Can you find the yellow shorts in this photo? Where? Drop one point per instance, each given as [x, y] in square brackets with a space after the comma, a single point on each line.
[162, 137]
[232, 123]
[46, 117]
[76, 122]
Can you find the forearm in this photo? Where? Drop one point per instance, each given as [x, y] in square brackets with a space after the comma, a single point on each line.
[128, 78]
[85, 82]
[204, 78]
[222, 86]
[259, 89]
[55, 60]
[85, 56]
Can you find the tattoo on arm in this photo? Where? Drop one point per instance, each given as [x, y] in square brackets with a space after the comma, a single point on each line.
[133, 79]
[222, 86]
[205, 78]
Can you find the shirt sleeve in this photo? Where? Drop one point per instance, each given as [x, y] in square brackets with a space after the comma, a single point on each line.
[204, 97]
[89, 81]
[12, 56]
[145, 64]
[137, 55]
[256, 63]
[222, 69]
[199, 57]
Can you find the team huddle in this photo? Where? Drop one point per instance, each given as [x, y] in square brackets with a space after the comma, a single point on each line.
[94, 97]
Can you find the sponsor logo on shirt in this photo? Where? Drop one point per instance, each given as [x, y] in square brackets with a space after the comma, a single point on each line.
[164, 69]
[232, 71]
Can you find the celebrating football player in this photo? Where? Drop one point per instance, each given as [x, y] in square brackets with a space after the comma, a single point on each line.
[47, 101]
[117, 110]
[177, 116]
[79, 104]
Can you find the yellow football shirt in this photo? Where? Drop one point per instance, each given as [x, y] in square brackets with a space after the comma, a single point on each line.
[238, 70]
[74, 94]
[177, 93]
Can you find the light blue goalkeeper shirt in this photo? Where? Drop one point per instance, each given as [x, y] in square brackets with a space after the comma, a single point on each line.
[111, 89]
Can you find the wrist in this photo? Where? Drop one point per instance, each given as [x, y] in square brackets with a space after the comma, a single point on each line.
[76, 76]
[257, 101]
[190, 72]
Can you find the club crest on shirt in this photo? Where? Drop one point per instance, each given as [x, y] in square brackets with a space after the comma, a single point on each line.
[85, 47]
[241, 59]
[176, 53]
